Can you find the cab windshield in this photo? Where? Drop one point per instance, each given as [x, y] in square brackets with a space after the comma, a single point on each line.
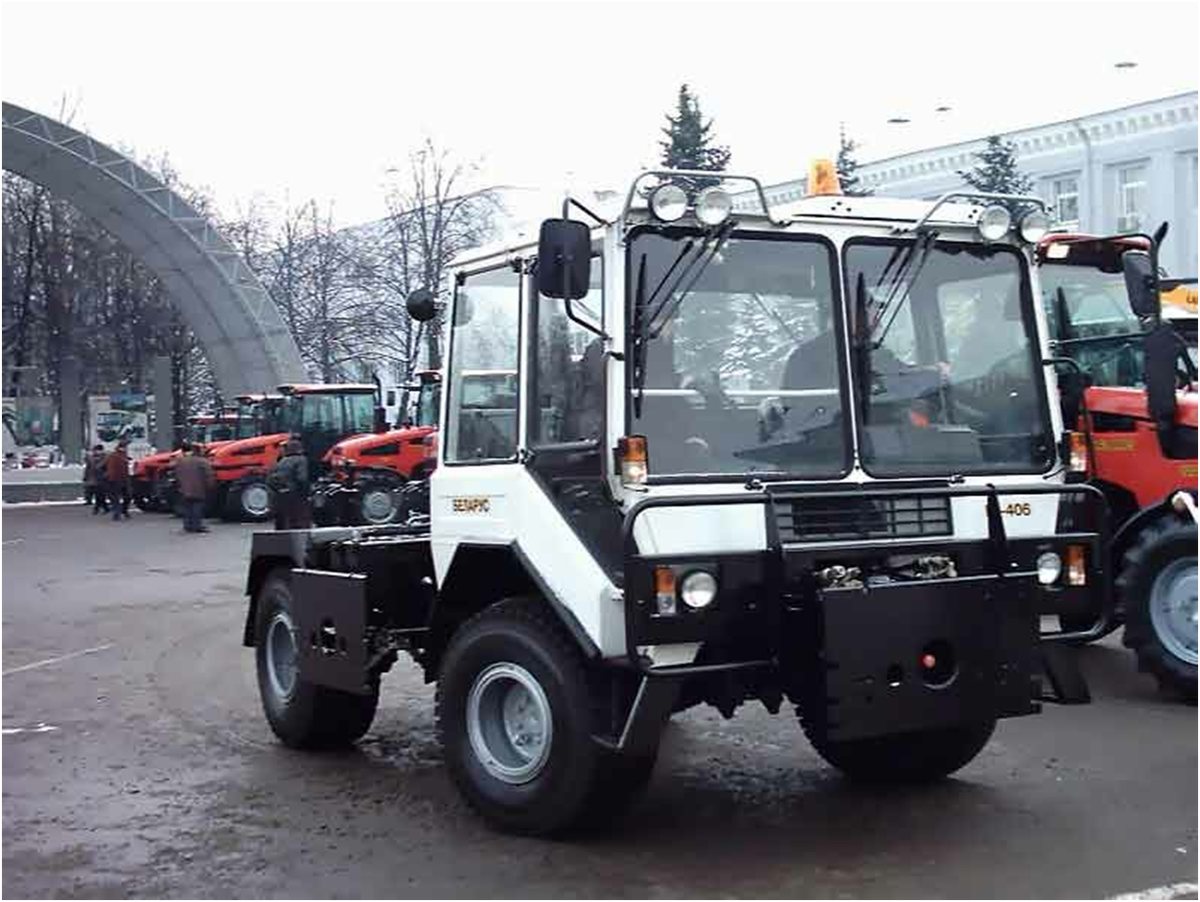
[1089, 314]
[321, 419]
[946, 361]
[736, 367]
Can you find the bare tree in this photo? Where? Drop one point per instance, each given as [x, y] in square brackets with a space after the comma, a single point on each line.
[431, 220]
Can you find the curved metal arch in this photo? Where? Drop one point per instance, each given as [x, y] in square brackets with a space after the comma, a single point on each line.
[247, 343]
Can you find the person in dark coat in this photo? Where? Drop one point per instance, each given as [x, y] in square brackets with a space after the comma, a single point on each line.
[194, 476]
[93, 480]
[289, 480]
[117, 481]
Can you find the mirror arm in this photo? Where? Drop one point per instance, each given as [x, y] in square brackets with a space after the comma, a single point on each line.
[577, 320]
[569, 202]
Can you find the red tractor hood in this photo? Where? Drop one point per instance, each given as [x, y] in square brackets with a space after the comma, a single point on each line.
[1131, 402]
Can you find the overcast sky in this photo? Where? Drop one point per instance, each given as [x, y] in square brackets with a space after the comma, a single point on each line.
[320, 100]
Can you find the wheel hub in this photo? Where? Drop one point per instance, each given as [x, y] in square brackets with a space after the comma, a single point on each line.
[282, 655]
[256, 499]
[509, 723]
[378, 505]
[1173, 608]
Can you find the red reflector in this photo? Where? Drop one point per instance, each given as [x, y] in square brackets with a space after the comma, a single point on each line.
[928, 662]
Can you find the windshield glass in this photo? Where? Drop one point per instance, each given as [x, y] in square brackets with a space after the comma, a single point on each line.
[1093, 318]
[741, 375]
[947, 371]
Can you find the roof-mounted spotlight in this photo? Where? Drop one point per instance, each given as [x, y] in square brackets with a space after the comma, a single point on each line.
[668, 202]
[713, 205]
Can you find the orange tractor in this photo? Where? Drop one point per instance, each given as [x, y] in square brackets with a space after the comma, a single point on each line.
[320, 416]
[1134, 399]
[379, 478]
[150, 492]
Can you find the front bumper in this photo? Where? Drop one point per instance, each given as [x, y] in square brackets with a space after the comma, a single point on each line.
[853, 656]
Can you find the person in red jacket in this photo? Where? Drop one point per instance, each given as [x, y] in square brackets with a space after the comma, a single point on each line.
[117, 480]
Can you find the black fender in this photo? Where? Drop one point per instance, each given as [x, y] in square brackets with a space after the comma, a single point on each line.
[481, 575]
[269, 550]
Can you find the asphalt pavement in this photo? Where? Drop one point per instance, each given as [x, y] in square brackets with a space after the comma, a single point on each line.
[136, 762]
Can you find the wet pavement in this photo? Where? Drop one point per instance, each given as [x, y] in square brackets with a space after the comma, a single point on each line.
[136, 762]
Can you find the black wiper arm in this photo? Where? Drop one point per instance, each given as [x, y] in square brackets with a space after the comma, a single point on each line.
[708, 250]
[930, 238]
[639, 338]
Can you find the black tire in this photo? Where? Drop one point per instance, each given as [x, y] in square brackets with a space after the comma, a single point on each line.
[1161, 550]
[305, 716]
[907, 757]
[379, 499]
[578, 782]
[243, 502]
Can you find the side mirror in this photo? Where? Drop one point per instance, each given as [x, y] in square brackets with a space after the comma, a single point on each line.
[421, 305]
[1141, 283]
[381, 424]
[564, 259]
[1161, 347]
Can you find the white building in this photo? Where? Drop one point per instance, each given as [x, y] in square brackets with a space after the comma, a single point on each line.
[1120, 170]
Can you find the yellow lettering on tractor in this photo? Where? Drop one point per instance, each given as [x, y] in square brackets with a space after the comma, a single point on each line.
[470, 505]
[1111, 443]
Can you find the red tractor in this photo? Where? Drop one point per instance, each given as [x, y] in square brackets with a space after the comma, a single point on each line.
[373, 479]
[1135, 402]
[150, 491]
[319, 415]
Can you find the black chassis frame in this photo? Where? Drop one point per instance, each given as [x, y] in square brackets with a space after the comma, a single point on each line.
[767, 605]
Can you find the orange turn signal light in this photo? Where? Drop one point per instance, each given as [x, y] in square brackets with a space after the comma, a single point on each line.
[1078, 461]
[664, 590]
[1076, 565]
[633, 459]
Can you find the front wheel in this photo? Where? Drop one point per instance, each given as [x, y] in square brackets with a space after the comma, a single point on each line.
[907, 757]
[379, 500]
[1157, 588]
[300, 713]
[250, 502]
[514, 720]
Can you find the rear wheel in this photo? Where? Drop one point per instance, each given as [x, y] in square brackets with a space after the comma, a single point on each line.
[907, 757]
[1157, 587]
[301, 714]
[250, 502]
[514, 720]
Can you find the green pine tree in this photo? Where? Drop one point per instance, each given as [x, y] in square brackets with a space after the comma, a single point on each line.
[847, 166]
[996, 170]
[690, 141]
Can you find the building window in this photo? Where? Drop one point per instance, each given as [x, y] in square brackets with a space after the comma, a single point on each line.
[1131, 198]
[1064, 201]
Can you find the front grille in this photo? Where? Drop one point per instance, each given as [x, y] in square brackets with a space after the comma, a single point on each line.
[840, 519]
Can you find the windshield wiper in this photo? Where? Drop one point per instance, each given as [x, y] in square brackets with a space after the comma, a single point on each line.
[649, 325]
[930, 237]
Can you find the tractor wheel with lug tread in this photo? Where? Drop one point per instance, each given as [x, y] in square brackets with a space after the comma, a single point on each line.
[301, 714]
[514, 720]
[919, 757]
[250, 502]
[1156, 587]
[379, 499]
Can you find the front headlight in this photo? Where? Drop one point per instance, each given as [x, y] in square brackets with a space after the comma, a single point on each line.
[1049, 568]
[713, 206]
[994, 222]
[1034, 226]
[698, 589]
[668, 202]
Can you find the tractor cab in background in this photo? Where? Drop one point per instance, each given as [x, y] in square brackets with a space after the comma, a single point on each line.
[318, 415]
[1132, 396]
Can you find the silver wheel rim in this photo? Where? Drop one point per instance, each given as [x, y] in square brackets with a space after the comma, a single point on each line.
[282, 655]
[509, 723]
[378, 505]
[1173, 608]
[256, 500]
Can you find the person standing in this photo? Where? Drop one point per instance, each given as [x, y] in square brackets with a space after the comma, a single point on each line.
[93, 480]
[289, 480]
[117, 480]
[194, 475]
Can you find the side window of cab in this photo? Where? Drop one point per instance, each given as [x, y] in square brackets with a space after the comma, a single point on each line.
[482, 409]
